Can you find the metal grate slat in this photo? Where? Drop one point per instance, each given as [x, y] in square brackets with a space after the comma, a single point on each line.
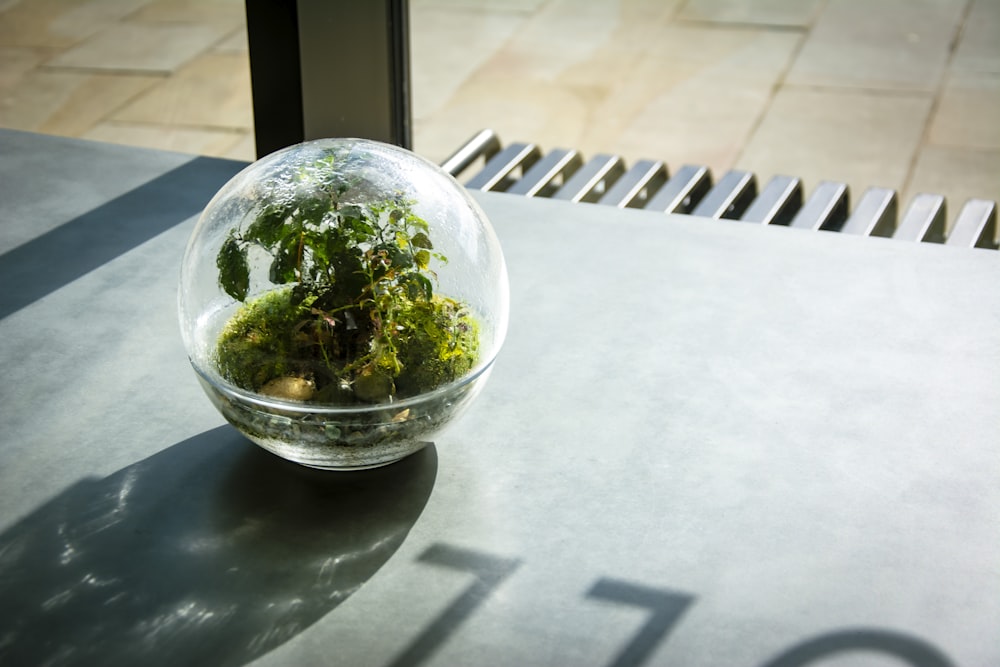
[683, 191]
[730, 196]
[976, 225]
[826, 208]
[634, 186]
[592, 180]
[875, 214]
[924, 220]
[557, 164]
[484, 143]
[777, 203]
[499, 169]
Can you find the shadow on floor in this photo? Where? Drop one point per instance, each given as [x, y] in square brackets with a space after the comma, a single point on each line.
[209, 552]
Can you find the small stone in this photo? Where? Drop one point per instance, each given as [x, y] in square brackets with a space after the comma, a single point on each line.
[289, 388]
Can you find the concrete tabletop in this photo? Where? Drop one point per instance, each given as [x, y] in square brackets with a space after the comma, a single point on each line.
[705, 443]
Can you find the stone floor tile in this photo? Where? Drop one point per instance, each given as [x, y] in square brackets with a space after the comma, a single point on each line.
[979, 45]
[447, 46]
[66, 103]
[968, 111]
[211, 91]
[516, 6]
[16, 61]
[544, 82]
[148, 47]
[760, 12]
[223, 14]
[637, 87]
[555, 39]
[858, 138]
[59, 23]
[695, 97]
[881, 44]
[517, 110]
[235, 42]
[566, 34]
[958, 173]
[93, 100]
[761, 56]
[675, 127]
[245, 149]
[198, 141]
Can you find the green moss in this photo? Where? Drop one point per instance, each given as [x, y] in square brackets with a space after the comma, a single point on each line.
[258, 345]
[435, 341]
[438, 344]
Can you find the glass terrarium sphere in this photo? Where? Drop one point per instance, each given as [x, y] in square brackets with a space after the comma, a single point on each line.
[341, 301]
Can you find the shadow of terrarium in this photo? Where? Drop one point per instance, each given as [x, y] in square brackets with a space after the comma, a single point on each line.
[210, 552]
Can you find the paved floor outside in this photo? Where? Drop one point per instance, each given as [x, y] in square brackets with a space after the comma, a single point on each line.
[903, 94]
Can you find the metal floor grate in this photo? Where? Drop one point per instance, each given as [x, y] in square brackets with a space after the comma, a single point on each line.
[523, 169]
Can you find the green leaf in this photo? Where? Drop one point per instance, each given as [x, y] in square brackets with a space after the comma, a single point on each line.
[361, 228]
[420, 240]
[349, 273]
[285, 261]
[399, 259]
[234, 270]
[418, 223]
[419, 286]
[351, 211]
[267, 228]
[335, 247]
[312, 208]
[422, 258]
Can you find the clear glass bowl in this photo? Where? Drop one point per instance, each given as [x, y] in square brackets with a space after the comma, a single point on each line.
[341, 301]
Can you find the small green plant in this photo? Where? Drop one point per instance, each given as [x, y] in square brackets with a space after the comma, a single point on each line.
[354, 315]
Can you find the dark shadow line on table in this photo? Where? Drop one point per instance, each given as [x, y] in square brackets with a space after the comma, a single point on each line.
[42, 265]
[210, 552]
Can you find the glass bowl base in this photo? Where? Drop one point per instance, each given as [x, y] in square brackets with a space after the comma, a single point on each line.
[343, 440]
